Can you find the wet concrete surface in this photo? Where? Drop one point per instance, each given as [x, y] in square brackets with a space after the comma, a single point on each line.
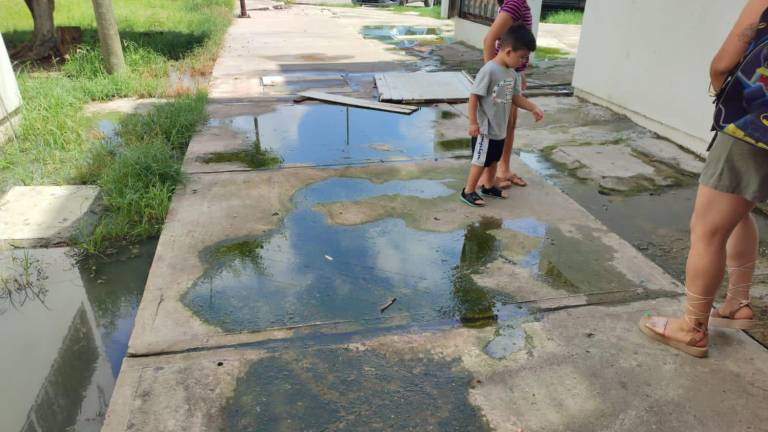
[518, 316]
[322, 247]
[569, 360]
[350, 390]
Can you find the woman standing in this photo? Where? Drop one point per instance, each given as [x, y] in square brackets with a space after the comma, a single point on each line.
[510, 12]
[723, 232]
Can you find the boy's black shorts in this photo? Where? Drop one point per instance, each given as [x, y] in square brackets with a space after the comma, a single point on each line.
[485, 151]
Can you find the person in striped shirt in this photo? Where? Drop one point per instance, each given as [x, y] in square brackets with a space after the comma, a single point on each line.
[510, 12]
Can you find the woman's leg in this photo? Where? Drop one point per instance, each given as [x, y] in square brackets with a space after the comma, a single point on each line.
[506, 156]
[740, 261]
[715, 218]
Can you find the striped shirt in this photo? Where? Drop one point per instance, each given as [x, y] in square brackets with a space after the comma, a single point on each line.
[520, 12]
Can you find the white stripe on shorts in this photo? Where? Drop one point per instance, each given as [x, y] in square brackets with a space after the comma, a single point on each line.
[481, 150]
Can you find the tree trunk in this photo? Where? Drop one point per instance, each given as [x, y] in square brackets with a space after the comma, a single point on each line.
[109, 37]
[44, 36]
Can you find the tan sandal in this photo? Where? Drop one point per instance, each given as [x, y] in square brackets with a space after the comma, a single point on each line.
[727, 319]
[502, 183]
[655, 327]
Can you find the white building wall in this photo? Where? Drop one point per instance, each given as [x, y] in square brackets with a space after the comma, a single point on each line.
[9, 90]
[650, 59]
[473, 33]
[10, 98]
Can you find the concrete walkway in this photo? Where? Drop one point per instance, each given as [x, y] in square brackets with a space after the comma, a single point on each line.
[265, 305]
[561, 36]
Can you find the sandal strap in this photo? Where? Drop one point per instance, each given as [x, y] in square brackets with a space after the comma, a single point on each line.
[693, 316]
[739, 292]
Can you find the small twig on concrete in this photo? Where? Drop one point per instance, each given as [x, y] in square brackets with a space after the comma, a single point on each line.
[389, 303]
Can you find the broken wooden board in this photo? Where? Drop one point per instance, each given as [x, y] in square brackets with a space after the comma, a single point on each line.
[361, 103]
[423, 87]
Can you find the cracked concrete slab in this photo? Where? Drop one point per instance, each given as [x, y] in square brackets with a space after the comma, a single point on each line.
[602, 161]
[669, 153]
[241, 206]
[43, 216]
[591, 363]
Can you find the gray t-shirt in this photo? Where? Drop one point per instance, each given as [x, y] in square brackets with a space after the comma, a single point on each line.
[496, 85]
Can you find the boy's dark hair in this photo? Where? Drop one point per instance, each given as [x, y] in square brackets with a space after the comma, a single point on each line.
[518, 37]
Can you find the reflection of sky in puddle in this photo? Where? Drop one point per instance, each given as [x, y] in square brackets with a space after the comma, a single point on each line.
[510, 336]
[330, 134]
[537, 163]
[108, 128]
[311, 271]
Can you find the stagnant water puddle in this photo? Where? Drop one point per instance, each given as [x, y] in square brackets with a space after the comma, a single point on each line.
[404, 37]
[656, 223]
[65, 328]
[350, 390]
[320, 134]
[310, 271]
[416, 41]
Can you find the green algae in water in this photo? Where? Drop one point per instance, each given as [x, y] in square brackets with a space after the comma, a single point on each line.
[348, 390]
[480, 247]
[448, 115]
[253, 158]
[455, 144]
[235, 255]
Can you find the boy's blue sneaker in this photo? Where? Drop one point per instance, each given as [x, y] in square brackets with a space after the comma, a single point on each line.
[472, 199]
[493, 192]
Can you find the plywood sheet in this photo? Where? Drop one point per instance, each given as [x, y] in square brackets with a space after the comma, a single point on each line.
[420, 87]
[362, 103]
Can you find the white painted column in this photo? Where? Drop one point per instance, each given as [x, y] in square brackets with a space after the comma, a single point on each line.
[10, 98]
[9, 90]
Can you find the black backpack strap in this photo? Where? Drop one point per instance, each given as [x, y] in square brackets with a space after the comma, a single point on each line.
[712, 143]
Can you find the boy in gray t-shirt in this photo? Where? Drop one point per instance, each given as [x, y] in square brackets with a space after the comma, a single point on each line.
[495, 91]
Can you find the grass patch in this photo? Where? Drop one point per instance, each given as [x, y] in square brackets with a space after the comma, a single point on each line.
[138, 177]
[548, 53]
[431, 12]
[57, 144]
[564, 17]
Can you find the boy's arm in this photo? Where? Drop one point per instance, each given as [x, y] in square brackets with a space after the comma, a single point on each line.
[523, 103]
[474, 128]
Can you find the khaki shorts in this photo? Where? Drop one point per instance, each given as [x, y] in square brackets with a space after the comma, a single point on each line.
[738, 168]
